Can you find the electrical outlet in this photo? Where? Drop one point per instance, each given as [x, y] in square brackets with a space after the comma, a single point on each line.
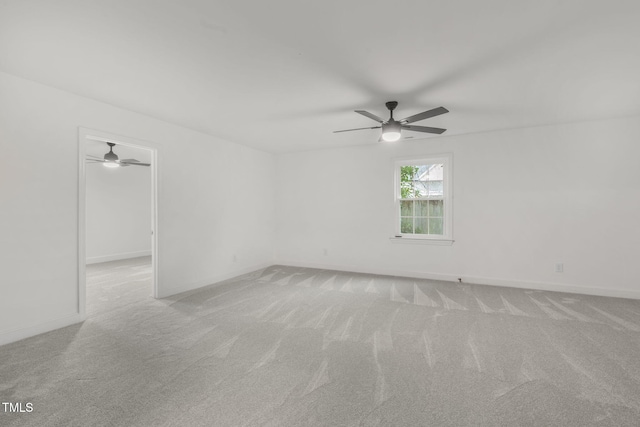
[559, 267]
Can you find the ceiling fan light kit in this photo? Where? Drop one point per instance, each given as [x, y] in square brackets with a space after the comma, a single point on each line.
[392, 129]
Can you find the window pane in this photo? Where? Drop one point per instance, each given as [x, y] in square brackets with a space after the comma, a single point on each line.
[408, 189]
[435, 207]
[406, 225]
[435, 188]
[422, 188]
[421, 180]
[435, 225]
[406, 208]
[422, 208]
[421, 226]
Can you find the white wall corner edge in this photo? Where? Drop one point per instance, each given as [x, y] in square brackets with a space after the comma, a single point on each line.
[473, 280]
[217, 279]
[117, 257]
[18, 334]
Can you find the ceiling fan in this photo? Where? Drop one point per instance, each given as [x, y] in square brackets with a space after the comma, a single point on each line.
[111, 159]
[391, 128]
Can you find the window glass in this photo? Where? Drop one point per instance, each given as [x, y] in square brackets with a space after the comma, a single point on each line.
[421, 198]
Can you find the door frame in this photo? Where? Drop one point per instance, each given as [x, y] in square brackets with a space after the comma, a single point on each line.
[85, 135]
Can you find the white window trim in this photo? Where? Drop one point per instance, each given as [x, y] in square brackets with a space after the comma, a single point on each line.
[447, 237]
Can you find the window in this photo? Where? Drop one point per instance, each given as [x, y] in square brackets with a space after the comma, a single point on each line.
[423, 198]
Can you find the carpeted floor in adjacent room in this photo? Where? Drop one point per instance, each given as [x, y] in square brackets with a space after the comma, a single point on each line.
[295, 346]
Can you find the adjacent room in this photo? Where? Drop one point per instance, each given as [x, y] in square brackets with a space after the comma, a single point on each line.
[118, 224]
[419, 213]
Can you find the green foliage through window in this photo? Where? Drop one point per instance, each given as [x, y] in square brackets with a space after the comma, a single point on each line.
[408, 188]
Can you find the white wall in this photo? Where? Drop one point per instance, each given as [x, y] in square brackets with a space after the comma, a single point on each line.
[118, 212]
[211, 206]
[524, 200]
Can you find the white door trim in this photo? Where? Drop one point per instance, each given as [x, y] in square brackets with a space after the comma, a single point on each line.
[85, 135]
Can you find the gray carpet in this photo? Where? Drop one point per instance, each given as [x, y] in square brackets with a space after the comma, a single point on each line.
[293, 346]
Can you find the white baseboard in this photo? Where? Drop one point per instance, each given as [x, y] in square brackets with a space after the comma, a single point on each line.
[18, 334]
[476, 280]
[117, 257]
[556, 287]
[218, 279]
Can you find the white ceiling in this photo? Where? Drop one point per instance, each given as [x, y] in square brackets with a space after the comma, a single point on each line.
[282, 75]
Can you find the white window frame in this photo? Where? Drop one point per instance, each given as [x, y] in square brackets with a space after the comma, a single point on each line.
[447, 197]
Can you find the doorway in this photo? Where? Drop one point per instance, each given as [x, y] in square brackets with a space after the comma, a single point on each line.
[117, 211]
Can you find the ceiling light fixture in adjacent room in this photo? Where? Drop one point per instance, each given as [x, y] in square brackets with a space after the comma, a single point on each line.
[111, 158]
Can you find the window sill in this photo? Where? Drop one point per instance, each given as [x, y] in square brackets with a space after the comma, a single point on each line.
[420, 241]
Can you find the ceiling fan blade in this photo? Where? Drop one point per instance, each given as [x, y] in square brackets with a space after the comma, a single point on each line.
[424, 115]
[349, 130]
[136, 163]
[371, 116]
[95, 157]
[95, 160]
[423, 129]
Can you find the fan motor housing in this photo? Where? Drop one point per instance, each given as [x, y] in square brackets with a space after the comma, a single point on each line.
[111, 156]
[391, 126]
